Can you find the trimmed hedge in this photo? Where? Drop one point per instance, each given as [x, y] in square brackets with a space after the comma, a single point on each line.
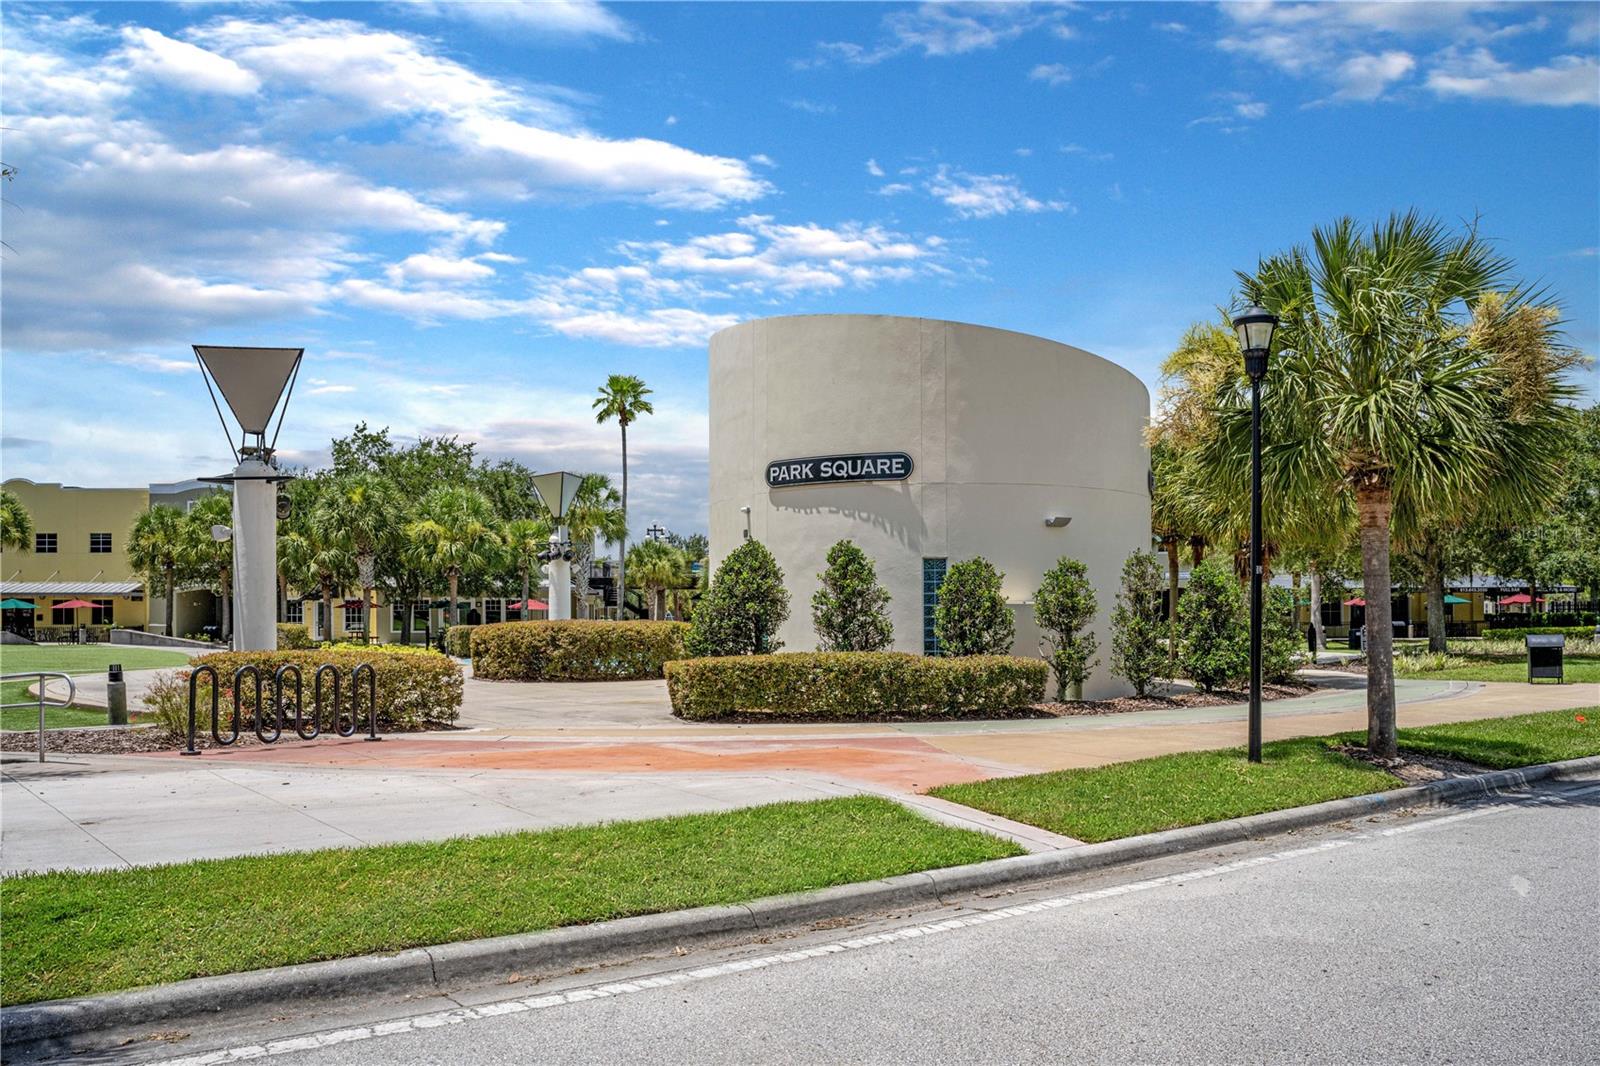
[458, 641]
[575, 650]
[293, 636]
[414, 690]
[1510, 633]
[834, 685]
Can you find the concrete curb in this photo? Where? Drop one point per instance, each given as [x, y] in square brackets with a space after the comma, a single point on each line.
[424, 970]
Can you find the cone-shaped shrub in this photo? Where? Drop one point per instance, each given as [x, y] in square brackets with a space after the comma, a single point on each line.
[972, 617]
[741, 613]
[850, 610]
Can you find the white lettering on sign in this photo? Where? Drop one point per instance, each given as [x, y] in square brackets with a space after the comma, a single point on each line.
[827, 469]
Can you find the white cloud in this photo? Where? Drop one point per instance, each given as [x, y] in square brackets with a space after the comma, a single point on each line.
[1367, 77]
[544, 18]
[984, 195]
[947, 29]
[1052, 74]
[1566, 81]
[156, 55]
[328, 388]
[894, 188]
[426, 268]
[811, 107]
[874, 169]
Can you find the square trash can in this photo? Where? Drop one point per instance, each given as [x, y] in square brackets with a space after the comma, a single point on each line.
[1545, 655]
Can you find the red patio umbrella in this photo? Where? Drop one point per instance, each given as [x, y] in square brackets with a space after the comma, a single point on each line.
[1521, 597]
[532, 605]
[73, 604]
[1357, 602]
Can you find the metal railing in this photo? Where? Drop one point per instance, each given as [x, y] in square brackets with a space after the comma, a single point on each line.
[275, 684]
[72, 690]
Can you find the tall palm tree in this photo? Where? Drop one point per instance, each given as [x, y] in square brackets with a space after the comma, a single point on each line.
[596, 512]
[622, 397]
[16, 525]
[361, 511]
[160, 546]
[456, 534]
[213, 558]
[1377, 395]
[658, 567]
[524, 539]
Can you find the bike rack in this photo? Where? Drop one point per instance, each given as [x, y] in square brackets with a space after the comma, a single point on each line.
[343, 725]
[72, 691]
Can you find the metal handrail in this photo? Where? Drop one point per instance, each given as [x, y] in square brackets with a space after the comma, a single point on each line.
[72, 691]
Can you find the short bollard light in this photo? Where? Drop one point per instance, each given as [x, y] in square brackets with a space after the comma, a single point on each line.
[116, 696]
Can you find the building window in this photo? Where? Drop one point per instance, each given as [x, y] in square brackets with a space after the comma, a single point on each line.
[44, 543]
[1331, 615]
[932, 578]
[100, 614]
[63, 616]
[353, 613]
[294, 611]
[491, 610]
[99, 543]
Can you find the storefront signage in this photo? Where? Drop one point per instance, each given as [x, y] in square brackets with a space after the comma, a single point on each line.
[827, 469]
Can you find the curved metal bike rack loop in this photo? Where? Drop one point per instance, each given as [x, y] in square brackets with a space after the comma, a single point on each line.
[299, 701]
[372, 697]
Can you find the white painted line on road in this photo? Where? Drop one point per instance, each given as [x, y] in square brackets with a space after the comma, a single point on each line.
[436, 1019]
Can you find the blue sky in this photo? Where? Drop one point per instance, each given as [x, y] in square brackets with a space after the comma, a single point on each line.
[469, 215]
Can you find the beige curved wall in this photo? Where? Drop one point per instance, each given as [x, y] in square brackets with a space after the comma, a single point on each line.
[1004, 429]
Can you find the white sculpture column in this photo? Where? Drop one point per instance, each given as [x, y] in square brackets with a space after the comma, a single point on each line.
[560, 577]
[255, 557]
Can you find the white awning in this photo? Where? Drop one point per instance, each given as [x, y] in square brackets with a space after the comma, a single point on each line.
[70, 588]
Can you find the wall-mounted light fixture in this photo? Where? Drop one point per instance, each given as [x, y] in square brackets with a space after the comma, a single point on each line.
[746, 512]
[1056, 521]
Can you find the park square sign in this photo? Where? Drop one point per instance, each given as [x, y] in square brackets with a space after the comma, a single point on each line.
[829, 469]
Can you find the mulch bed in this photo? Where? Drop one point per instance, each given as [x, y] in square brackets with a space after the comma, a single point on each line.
[131, 740]
[1413, 768]
[1178, 700]
[1042, 710]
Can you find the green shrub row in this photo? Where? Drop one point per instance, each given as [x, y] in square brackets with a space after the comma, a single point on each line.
[575, 650]
[458, 641]
[293, 636]
[414, 690]
[1517, 634]
[833, 685]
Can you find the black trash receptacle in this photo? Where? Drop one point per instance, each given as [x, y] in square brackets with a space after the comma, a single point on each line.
[1355, 638]
[1311, 639]
[1545, 655]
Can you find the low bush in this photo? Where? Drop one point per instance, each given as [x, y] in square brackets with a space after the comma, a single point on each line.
[1516, 634]
[834, 685]
[293, 636]
[575, 650]
[458, 641]
[414, 690]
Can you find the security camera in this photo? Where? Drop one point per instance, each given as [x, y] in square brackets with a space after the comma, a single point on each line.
[285, 508]
[1056, 521]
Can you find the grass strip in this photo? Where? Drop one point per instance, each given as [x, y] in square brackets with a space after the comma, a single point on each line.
[27, 718]
[73, 934]
[1578, 669]
[1503, 743]
[1168, 791]
[85, 658]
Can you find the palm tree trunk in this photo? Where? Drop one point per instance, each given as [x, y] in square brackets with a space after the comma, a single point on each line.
[1374, 506]
[227, 607]
[1197, 550]
[368, 614]
[405, 621]
[1321, 638]
[1172, 601]
[172, 602]
[454, 577]
[327, 605]
[1433, 582]
[622, 552]
[523, 613]
[283, 597]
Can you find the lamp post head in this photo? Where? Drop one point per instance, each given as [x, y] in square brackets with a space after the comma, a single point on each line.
[557, 490]
[252, 382]
[1255, 326]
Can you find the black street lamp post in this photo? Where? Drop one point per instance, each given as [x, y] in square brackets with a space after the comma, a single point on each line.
[1254, 326]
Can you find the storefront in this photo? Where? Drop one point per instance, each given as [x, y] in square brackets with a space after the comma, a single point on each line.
[926, 442]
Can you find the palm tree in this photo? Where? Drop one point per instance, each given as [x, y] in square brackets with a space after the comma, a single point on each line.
[596, 511]
[1377, 395]
[160, 546]
[16, 525]
[622, 397]
[213, 558]
[456, 534]
[361, 511]
[659, 567]
[524, 539]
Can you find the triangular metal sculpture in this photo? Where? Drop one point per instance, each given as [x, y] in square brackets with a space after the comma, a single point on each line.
[557, 490]
[252, 381]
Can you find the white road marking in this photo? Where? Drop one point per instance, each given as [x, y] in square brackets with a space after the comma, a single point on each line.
[456, 1016]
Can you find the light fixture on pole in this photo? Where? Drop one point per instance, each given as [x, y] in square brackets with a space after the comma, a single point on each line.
[252, 381]
[1255, 326]
[656, 532]
[558, 490]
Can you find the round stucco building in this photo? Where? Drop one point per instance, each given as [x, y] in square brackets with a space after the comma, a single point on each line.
[926, 442]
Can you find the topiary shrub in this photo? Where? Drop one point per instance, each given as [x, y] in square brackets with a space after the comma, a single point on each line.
[575, 650]
[971, 617]
[458, 641]
[293, 636]
[414, 691]
[1137, 629]
[850, 610]
[845, 685]
[743, 609]
[1213, 633]
[1063, 608]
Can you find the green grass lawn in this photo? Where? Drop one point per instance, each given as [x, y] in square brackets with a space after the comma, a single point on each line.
[1502, 743]
[1190, 788]
[71, 934]
[76, 660]
[1580, 669]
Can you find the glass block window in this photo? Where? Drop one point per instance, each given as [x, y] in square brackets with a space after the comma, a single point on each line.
[99, 543]
[44, 543]
[932, 578]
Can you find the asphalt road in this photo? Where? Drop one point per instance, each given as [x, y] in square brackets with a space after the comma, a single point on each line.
[1455, 936]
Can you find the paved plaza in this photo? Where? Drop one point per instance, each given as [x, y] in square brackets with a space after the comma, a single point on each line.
[531, 756]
